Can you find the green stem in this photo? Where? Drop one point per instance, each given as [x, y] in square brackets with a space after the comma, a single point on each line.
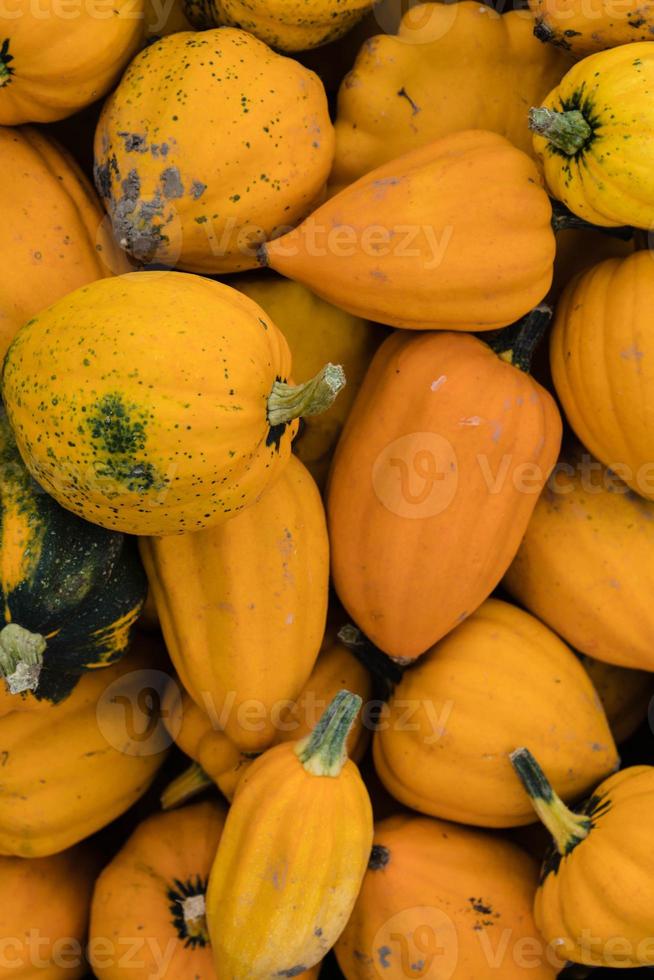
[288, 402]
[567, 828]
[379, 857]
[190, 783]
[567, 131]
[516, 344]
[373, 659]
[563, 220]
[323, 752]
[5, 60]
[21, 658]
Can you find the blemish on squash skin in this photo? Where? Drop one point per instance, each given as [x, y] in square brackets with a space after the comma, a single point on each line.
[438, 383]
[294, 971]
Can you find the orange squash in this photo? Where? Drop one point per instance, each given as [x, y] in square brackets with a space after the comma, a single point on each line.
[44, 915]
[456, 235]
[434, 902]
[444, 742]
[585, 26]
[433, 483]
[54, 238]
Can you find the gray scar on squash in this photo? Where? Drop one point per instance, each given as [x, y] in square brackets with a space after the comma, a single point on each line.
[171, 183]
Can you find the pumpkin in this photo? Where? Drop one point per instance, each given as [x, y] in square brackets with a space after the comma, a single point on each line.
[316, 332]
[450, 68]
[70, 591]
[580, 131]
[53, 239]
[121, 450]
[54, 62]
[289, 26]
[586, 563]
[243, 606]
[434, 898]
[433, 483]
[594, 900]
[198, 164]
[44, 916]
[454, 235]
[219, 761]
[599, 353]
[625, 695]
[276, 909]
[71, 768]
[444, 742]
[585, 26]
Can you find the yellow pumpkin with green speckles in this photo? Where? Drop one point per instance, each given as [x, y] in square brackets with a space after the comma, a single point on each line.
[210, 144]
[156, 402]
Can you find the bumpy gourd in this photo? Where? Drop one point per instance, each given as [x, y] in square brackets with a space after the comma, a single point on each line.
[455, 235]
[432, 902]
[453, 719]
[54, 61]
[592, 136]
[83, 388]
[276, 910]
[290, 25]
[433, 483]
[585, 26]
[70, 592]
[399, 94]
[594, 899]
[210, 144]
[53, 238]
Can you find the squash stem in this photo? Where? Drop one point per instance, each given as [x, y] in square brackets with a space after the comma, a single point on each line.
[567, 828]
[516, 344]
[190, 783]
[564, 220]
[567, 131]
[323, 752]
[21, 658]
[287, 402]
[381, 666]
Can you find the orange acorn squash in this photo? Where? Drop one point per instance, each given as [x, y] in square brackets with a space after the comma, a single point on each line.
[210, 143]
[443, 743]
[434, 902]
[433, 483]
[124, 451]
[243, 606]
[455, 235]
[44, 915]
[601, 355]
[451, 67]
[585, 26]
[54, 60]
[53, 238]
[594, 900]
[586, 563]
[293, 854]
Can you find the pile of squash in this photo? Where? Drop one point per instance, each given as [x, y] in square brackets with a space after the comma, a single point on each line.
[325, 631]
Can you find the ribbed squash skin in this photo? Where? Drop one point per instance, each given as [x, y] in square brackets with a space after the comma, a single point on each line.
[625, 695]
[288, 25]
[289, 867]
[415, 906]
[426, 499]
[195, 169]
[400, 92]
[601, 354]
[46, 898]
[585, 26]
[243, 607]
[55, 60]
[54, 238]
[500, 680]
[118, 448]
[455, 235]
[586, 564]
[64, 775]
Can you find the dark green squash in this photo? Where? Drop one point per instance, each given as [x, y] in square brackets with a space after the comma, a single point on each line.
[70, 591]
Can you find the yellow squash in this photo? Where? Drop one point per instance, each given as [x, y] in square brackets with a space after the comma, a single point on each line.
[292, 856]
[155, 403]
[209, 145]
[594, 137]
[498, 679]
[586, 563]
[450, 67]
[243, 606]
[585, 26]
[594, 902]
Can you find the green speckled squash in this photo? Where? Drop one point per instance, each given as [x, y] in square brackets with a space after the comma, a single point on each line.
[70, 591]
[156, 402]
[209, 144]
